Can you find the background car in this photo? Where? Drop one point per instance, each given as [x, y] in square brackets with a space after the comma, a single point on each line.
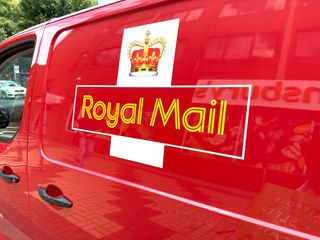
[11, 89]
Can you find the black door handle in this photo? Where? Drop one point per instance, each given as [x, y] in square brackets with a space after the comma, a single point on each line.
[56, 198]
[7, 174]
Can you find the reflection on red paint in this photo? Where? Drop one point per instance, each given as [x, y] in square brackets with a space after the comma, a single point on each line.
[272, 193]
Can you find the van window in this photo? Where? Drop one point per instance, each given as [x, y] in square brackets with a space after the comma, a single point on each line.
[14, 75]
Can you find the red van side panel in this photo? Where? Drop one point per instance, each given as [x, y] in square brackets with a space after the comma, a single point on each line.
[239, 148]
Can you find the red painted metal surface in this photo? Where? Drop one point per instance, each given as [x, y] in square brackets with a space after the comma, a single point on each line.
[15, 208]
[272, 193]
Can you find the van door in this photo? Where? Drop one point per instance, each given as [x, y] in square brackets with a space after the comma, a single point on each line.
[142, 125]
[16, 63]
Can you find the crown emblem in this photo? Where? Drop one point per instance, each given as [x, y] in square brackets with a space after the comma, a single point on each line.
[145, 57]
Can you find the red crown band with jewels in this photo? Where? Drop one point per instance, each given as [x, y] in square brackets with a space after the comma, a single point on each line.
[145, 57]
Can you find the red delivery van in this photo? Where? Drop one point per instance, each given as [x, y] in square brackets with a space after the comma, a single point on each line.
[190, 119]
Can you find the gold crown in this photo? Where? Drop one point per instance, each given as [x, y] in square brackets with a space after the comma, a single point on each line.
[145, 57]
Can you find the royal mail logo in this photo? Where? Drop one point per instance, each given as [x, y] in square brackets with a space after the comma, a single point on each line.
[147, 54]
[145, 112]
[145, 57]
[170, 118]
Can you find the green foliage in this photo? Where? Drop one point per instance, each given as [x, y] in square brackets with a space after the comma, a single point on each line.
[16, 15]
[9, 15]
[38, 11]
[3, 34]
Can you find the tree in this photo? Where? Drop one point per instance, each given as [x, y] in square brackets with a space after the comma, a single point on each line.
[3, 34]
[34, 12]
[9, 17]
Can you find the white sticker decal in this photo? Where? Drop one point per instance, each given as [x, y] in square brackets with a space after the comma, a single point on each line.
[146, 60]
[147, 55]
